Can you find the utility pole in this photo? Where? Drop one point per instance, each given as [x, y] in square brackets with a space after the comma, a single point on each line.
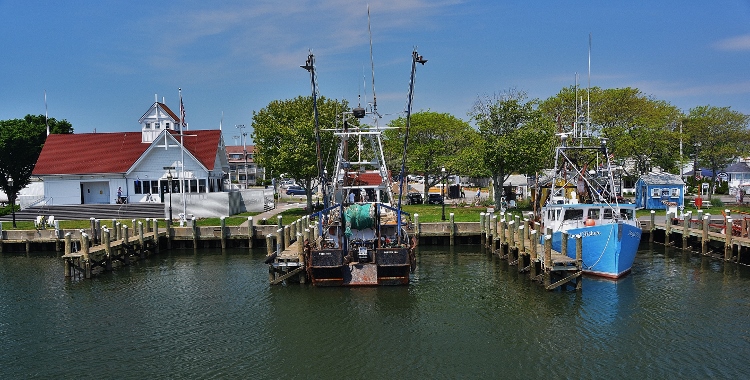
[241, 127]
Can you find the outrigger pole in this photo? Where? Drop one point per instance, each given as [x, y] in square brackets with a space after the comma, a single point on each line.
[310, 67]
[415, 58]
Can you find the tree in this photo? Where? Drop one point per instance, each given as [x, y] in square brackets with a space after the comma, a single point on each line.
[436, 141]
[516, 136]
[284, 136]
[21, 141]
[718, 134]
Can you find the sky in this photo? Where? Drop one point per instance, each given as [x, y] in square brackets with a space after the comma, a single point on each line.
[102, 63]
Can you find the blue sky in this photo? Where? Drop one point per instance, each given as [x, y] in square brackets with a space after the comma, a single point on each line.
[102, 62]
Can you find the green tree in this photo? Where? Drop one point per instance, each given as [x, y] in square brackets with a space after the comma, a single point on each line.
[718, 134]
[436, 141]
[21, 141]
[516, 136]
[284, 136]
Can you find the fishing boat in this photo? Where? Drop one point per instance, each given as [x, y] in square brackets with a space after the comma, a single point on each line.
[583, 203]
[362, 237]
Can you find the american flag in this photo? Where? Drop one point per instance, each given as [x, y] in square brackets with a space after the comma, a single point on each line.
[183, 124]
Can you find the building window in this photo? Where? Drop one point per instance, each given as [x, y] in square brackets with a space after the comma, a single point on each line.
[167, 124]
[655, 192]
[193, 185]
[148, 125]
[202, 185]
[675, 193]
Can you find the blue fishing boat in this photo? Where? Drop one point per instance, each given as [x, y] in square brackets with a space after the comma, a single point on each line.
[584, 204]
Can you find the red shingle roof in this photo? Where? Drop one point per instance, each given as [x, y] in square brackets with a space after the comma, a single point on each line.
[89, 153]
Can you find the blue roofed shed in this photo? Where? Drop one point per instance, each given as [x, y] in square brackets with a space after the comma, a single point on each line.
[656, 191]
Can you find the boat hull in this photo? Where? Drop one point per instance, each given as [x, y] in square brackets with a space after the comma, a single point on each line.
[608, 249]
[391, 266]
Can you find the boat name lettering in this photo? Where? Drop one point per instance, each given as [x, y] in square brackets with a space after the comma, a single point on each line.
[633, 234]
[590, 233]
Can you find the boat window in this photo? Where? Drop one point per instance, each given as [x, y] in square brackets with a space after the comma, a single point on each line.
[626, 214]
[608, 213]
[593, 213]
[573, 215]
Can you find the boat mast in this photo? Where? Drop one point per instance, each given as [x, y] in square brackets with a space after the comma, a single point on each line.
[310, 67]
[415, 57]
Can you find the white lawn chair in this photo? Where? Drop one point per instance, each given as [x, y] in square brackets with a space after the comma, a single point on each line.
[51, 221]
[39, 222]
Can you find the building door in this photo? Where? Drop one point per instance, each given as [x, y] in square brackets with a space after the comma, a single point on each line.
[95, 192]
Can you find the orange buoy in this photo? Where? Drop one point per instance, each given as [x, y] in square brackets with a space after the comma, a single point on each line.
[590, 222]
[698, 202]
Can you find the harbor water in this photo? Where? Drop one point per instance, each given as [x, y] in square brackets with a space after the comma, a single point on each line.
[212, 314]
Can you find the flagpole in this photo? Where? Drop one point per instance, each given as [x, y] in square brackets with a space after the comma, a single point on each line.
[182, 160]
[46, 119]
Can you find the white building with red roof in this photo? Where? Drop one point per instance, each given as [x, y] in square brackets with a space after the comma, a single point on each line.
[95, 167]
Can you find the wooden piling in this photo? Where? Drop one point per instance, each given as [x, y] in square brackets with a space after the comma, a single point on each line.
[250, 232]
[685, 234]
[107, 249]
[194, 232]
[704, 235]
[68, 251]
[533, 255]
[287, 236]
[452, 229]
[280, 240]
[85, 252]
[482, 237]
[269, 245]
[547, 261]
[223, 232]
[417, 229]
[156, 235]
[668, 228]
[728, 237]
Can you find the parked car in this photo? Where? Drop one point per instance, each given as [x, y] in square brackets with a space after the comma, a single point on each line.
[434, 199]
[295, 190]
[414, 199]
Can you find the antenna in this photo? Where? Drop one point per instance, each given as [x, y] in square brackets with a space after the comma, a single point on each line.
[372, 66]
[46, 119]
[588, 93]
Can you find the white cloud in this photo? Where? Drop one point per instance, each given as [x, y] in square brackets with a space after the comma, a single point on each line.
[737, 43]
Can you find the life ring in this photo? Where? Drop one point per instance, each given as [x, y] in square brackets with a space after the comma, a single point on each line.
[589, 222]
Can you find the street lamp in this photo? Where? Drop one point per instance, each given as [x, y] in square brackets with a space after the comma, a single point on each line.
[169, 187]
[12, 201]
[241, 127]
[442, 170]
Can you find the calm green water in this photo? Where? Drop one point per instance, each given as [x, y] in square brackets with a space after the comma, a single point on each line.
[466, 315]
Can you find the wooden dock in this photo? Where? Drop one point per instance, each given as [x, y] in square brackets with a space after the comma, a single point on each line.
[704, 233]
[94, 259]
[515, 241]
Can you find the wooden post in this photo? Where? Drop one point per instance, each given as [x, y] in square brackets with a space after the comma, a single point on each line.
[269, 252]
[417, 229]
[653, 226]
[532, 258]
[269, 245]
[728, 242]
[278, 222]
[156, 235]
[250, 232]
[482, 238]
[564, 244]
[453, 229]
[521, 248]
[68, 250]
[547, 260]
[685, 232]
[1, 237]
[287, 236]
[511, 233]
[169, 233]
[107, 248]
[280, 240]
[195, 232]
[668, 228]
[92, 227]
[141, 240]
[704, 236]
[579, 261]
[223, 221]
[85, 252]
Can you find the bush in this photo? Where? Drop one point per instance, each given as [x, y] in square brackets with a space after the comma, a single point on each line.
[716, 202]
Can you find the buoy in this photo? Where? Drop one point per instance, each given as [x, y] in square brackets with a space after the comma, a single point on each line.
[589, 222]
